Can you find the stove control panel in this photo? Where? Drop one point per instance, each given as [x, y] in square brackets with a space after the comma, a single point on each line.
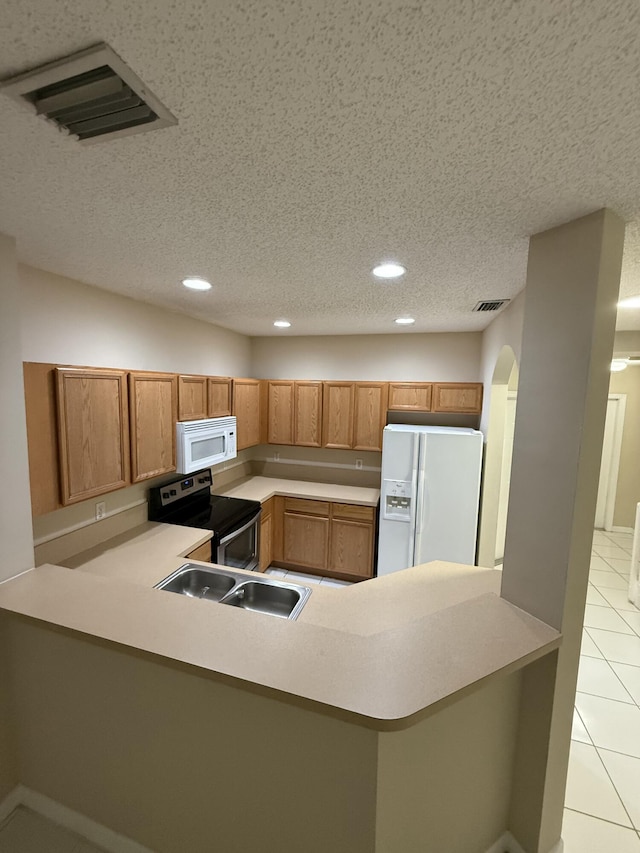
[179, 489]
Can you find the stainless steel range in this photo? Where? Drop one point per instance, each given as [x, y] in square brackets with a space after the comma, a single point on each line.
[235, 523]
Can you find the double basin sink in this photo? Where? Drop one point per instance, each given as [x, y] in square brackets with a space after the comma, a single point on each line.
[262, 595]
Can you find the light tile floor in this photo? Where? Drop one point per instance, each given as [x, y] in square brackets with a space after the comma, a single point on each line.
[602, 805]
[298, 577]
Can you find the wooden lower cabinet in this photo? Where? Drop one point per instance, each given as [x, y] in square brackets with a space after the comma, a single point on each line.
[202, 553]
[306, 540]
[351, 548]
[332, 539]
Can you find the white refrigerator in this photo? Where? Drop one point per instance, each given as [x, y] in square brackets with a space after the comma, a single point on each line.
[429, 497]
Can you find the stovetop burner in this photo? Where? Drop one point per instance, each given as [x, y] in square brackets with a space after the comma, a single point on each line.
[187, 501]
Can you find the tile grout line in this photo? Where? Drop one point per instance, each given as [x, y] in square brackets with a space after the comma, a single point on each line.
[614, 784]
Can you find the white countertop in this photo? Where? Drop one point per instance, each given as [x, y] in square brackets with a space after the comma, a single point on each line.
[263, 488]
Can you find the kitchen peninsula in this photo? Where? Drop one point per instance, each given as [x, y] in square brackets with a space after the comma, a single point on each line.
[388, 694]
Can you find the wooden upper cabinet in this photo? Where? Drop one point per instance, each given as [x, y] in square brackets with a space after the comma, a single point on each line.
[40, 390]
[337, 415]
[219, 396]
[465, 397]
[410, 396]
[153, 406]
[93, 432]
[192, 398]
[370, 415]
[280, 411]
[307, 420]
[247, 407]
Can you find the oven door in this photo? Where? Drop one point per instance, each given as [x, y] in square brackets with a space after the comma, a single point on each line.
[240, 549]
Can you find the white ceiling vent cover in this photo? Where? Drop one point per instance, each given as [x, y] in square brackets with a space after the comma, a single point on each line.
[490, 304]
[92, 95]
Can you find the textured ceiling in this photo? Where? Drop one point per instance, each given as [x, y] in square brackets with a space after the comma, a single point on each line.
[317, 137]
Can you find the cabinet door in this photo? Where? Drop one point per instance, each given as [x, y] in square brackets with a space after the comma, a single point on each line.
[153, 403]
[306, 540]
[370, 415]
[266, 535]
[280, 412]
[351, 548]
[219, 397]
[192, 398]
[247, 409]
[410, 396]
[308, 414]
[463, 397]
[93, 432]
[337, 415]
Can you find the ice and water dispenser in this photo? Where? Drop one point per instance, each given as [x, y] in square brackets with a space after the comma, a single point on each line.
[396, 500]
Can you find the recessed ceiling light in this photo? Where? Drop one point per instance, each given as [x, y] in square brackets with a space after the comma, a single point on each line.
[389, 270]
[631, 302]
[405, 321]
[619, 364]
[282, 324]
[196, 283]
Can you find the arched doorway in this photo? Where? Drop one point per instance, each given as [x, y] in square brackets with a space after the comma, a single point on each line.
[497, 462]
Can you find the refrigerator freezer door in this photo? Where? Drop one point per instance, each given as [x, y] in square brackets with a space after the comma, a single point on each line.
[449, 489]
[397, 501]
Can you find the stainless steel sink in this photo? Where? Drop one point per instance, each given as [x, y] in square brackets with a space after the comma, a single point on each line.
[199, 583]
[262, 595]
[275, 598]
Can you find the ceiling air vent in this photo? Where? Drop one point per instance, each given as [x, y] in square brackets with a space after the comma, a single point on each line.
[91, 95]
[491, 304]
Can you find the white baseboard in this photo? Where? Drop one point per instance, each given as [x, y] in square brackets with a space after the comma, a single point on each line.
[616, 530]
[507, 844]
[74, 821]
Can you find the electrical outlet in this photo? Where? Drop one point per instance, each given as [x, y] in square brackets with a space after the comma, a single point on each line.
[358, 464]
[101, 510]
[276, 457]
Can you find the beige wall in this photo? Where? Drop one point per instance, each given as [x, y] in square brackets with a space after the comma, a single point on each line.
[16, 551]
[564, 378]
[628, 489]
[627, 343]
[67, 322]
[9, 777]
[445, 784]
[505, 330]
[179, 761]
[453, 357]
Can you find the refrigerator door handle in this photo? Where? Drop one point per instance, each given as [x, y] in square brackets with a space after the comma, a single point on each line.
[421, 499]
[415, 461]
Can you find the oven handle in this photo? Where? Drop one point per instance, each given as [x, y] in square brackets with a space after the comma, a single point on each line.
[240, 530]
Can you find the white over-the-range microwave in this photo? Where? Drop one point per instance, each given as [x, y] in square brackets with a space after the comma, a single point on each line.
[201, 444]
